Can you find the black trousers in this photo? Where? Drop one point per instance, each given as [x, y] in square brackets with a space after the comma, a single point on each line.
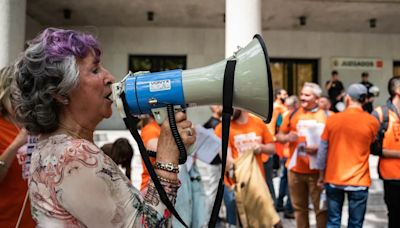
[392, 200]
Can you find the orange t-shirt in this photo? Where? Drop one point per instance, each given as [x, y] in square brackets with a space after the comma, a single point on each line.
[389, 168]
[150, 131]
[290, 124]
[278, 109]
[243, 137]
[349, 135]
[13, 188]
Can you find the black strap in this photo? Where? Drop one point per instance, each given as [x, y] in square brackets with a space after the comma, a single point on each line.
[227, 112]
[130, 123]
[152, 153]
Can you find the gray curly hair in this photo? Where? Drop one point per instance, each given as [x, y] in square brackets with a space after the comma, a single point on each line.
[6, 75]
[47, 70]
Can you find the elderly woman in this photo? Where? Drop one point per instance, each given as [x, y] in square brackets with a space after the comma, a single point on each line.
[13, 187]
[61, 92]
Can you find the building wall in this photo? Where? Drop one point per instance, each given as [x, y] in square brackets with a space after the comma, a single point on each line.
[32, 28]
[205, 46]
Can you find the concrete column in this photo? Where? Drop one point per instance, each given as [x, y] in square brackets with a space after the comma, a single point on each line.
[242, 22]
[12, 30]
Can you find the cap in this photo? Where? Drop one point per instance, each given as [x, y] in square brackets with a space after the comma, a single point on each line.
[357, 91]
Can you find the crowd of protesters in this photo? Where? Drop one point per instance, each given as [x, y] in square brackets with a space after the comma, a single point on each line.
[320, 143]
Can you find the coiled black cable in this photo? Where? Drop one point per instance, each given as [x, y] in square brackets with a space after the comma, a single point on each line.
[175, 134]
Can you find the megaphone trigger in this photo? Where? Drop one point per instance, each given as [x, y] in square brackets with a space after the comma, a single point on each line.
[160, 114]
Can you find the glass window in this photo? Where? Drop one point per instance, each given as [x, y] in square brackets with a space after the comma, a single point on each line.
[290, 74]
[396, 68]
[156, 63]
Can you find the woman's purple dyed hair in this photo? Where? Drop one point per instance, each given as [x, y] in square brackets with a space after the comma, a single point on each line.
[48, 70]
[60, 43]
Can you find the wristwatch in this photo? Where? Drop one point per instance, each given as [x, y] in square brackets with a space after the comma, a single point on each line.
[170, 167]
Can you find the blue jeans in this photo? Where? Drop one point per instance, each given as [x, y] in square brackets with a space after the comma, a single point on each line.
[357, 206]
[268, 169]
[284, 189]
[230, 204]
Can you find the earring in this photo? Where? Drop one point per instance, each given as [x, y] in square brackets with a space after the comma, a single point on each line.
[65, 101]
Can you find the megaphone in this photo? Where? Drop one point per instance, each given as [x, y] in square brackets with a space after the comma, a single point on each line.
[242, 81]
[149, 93]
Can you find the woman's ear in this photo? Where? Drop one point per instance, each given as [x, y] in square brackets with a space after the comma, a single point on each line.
[61, 99]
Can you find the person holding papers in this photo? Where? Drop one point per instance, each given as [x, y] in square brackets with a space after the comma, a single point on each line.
[248, 134]
[343, 158]
[298, 129]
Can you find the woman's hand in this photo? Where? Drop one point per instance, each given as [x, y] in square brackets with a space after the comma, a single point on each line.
[167, 151]
[311, 149]
[9, 154]
[20, 140]
[292, 137]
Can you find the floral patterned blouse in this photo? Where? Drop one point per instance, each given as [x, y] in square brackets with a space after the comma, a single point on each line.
[74, 184]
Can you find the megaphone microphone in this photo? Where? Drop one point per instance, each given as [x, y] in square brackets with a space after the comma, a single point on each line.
[163, 93]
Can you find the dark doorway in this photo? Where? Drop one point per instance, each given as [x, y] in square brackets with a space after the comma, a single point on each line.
[290, 74]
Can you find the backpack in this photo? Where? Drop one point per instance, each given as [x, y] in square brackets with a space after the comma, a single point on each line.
[376, 147]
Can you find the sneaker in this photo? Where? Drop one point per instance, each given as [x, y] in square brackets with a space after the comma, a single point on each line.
[280, 208]
[288, 215]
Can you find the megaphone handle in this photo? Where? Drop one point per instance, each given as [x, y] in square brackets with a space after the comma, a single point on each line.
[175, 134]
[130, 123]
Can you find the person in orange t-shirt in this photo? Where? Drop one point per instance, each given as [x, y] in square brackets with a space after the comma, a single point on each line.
[149, 134]
[292, 103]
[303, 176]
[389, 160]
[343, 158]
[247, 132]
[279, 108]
[13, 188]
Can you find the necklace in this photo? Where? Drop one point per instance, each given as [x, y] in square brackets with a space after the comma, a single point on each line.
[70, 132]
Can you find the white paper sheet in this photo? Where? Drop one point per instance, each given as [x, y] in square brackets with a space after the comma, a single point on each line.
[189, 163]
[312, 131]
[207, 144]
[313, 161]
[293, 160]
[299, 151]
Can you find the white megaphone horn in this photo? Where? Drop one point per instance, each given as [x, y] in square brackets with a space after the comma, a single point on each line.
[150, 92]
[162, 92]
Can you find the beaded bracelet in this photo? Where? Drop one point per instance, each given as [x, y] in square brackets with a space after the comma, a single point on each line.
[170, 167]
[176, 182]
